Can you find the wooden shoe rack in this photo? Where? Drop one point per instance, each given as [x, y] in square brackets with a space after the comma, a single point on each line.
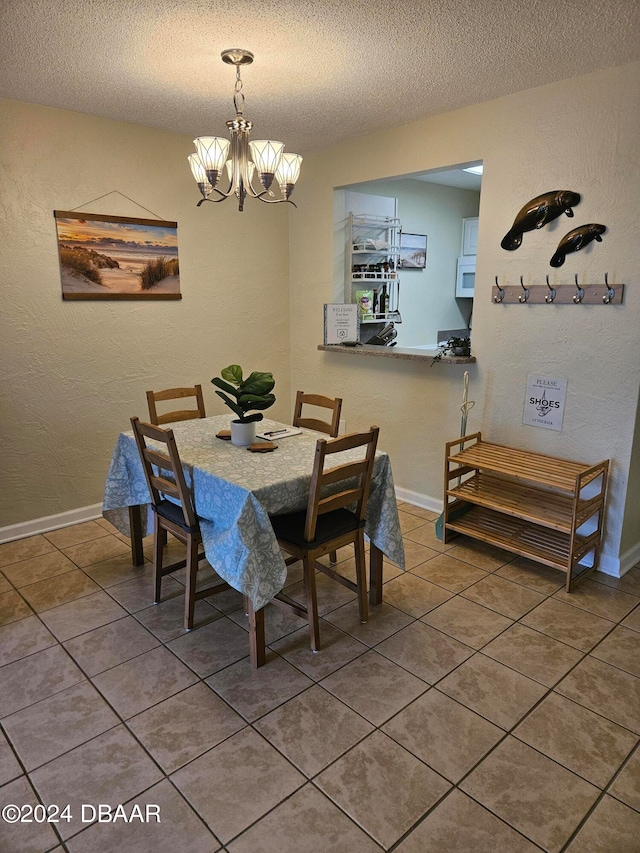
[547, 509]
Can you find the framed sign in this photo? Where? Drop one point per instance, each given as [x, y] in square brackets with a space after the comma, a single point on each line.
[117, 257]
[544, 402]
[413, 251]
[340, 323]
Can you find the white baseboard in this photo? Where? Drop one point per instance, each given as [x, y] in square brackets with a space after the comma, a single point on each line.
[417, 499]
[629, 559]
[50, 522]
[608, 565]
[617, 567]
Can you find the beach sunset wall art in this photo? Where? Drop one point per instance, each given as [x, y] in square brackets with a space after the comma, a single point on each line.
[117, 257]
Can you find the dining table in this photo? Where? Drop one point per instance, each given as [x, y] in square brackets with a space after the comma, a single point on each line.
[234, 492]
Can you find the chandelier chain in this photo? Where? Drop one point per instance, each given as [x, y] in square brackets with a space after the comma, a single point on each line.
[238, 96]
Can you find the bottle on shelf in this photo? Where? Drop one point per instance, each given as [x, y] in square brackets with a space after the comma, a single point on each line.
[384, 300]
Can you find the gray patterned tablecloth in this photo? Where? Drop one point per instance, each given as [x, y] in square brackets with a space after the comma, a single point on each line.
[235, 491]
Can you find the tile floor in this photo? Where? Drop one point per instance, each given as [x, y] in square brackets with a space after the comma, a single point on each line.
[480, 709]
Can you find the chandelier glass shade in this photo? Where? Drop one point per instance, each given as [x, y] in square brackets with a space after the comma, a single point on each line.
[241, 159]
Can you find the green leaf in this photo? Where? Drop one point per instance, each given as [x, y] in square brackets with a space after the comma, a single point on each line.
[258, 383]
[225, 387]
[231, 403]
[253, 401]
[232, 374]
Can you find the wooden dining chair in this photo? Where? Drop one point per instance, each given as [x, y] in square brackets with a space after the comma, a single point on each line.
[177, 516]
[334, 517]
[331, 426]
[154, 397]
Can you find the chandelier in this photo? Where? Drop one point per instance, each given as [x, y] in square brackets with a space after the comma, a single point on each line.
[240, 158]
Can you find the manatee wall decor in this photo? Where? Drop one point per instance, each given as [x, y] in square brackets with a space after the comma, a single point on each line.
[537, 213]
[575, 240]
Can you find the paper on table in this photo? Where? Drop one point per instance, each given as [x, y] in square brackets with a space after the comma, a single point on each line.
[277, 434]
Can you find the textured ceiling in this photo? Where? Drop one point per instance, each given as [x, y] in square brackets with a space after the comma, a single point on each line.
[324, 70]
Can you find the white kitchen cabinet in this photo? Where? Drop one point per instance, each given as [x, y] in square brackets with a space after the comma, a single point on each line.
[470, 235]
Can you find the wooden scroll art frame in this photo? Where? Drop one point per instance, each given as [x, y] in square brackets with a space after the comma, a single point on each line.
[117, 257]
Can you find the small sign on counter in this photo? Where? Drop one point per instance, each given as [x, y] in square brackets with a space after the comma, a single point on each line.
[340, 323]
[544, 401]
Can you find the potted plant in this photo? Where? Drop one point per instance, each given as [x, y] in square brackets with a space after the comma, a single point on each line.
[244, 396]
[455, 346]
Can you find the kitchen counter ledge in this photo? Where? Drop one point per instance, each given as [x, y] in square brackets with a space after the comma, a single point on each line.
[396, 352]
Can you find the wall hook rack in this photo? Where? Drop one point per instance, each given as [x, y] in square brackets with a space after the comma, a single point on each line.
[524, 296]
[558, 294]
[550, 297]
[611, 293]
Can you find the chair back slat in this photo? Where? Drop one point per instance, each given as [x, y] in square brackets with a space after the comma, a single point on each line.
[347, 442]
[329, 427]
[356, 476]
[174, 393]
[313, 423]
[344, 472]
[157, 458]
[342, 499]
[178, 415]
[165, 487]
[158, 419]
[168, 461]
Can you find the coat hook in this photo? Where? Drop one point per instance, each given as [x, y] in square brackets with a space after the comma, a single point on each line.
[549, 297]
[579, 296]
[500, 295]
[610, 290]
[525, 292]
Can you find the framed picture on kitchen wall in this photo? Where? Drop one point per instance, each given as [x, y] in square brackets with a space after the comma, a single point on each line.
[117, 257]
[413, 251]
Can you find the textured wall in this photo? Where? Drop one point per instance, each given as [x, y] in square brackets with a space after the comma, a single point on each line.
[74, 372]
[579, 134]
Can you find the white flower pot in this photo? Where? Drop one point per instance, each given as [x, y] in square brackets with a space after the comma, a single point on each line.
[242, 435]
